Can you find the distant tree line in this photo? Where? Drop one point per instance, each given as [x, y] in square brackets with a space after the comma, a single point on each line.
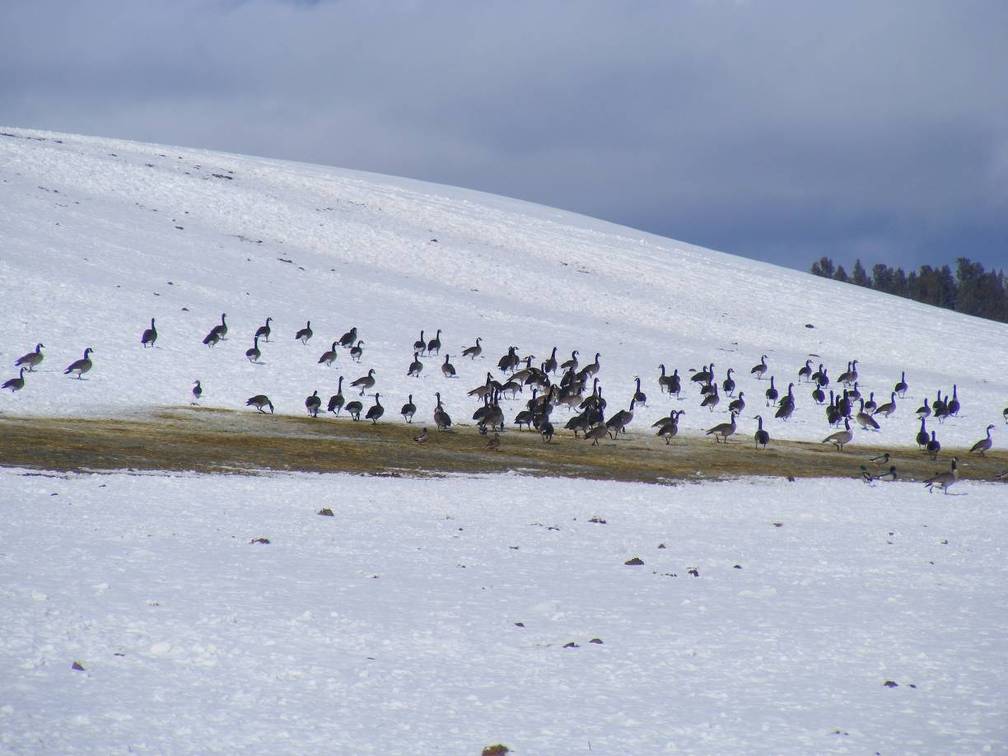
[971, 290]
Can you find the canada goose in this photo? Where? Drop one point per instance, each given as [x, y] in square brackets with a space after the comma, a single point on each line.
[639, 396]
[844, 405]
[264, 331]
[509, 361]
[901, 385]
[259, 401]
[805, 373]
[474, 351]
[728, 384]
[221, 328]
[347, 339]
[984, 443]
[253, 354]
[408, 410]
[663, 379]
[705, 375]
[357, 351]
[737, 404]
[212, 338]
[675, 384]
[197, 391]
[422, 436]
[761, 436]
[940, 408]
[944, 480]
[712, 399]
[924, 410]
[420, 345]
[550, 366]
[354, 409]
[591, 368]
[817, 395]
[80, 366]
[546, 431]
[723, 430]
[889, 475]
[596, 433]
[447, 369]
[1005, 414]
[619, 421]
[786, 406]
[365, 382]
[329, 356]
[670, 428]
[953, 405]
[771, 393]
[374, 413]
[840, 438]
[865, 420]
[313, 403]
[337, 400]
[922, 434]
[888, 408]
[572, 363]
[304, 334]
[149, 336]
[759, 370]
[15, 384]
[416, 367]
[933, 446]
[441, 417]
[854, 393]
[434, 345]
[33, 359]
[851, 375]
[820, 377]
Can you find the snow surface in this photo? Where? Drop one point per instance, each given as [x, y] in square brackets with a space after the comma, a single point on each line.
[100, 235]
[390, 628]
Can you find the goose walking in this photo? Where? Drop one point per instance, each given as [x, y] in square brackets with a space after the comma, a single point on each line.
[760, 370]
[357, 351]
[924, 410]
[354, 409]
[434, 345]
[618, 422]
[337, 400]
[197, 391]
[416, 367]
[639, 396]
[254, 354]
[944, 480]
[728, 384]
[596, 433]
[670, 427]
[149, 336]
[889, 407]
[374, 413]
[33, 359]
[474, 351]
[901, 385]
[984, 444]
[365, 382]
[264, 330]
[550, 366]
[572, 363]
[420, 345]
[771, 393]
[761, 436]
[712, 399]
[15, 384]
[305, 334]
[723, 430]
[329, 356]
[737, 404]
[408, 410]
[347, 339]
[313, 403]
[212, 338]
[259, 401]
[80, 366]
[953, 404]
[447, 369]
[222, 327]
[840, 438]
[805, 373]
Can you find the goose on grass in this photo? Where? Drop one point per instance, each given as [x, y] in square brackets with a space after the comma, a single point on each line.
[337, 400]
[375, 412]
[761, 436]
[313, 403]
[723, 430]
[841, 438]
[354, 409]
[408, 410]
[442, 420]
[984, 444]
[260, 402]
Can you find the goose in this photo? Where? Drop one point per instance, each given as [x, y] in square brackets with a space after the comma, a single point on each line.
[737, 404]
[817, 395]
[889, 475]
[212, 338]
[579, 422]
[357, 351]
[712, 399]
[854, 393]
[421, 437]
[865, 420]
[759, 370]
[304, 334]
[15, 384]
[416, 367]
[596, 433]
[337, 400]
[922, 434]
[572, 363]
[924, 410]
[703, 376]
[901, 385]
[264, 331]
[253, 354]
[80, 366]
[888, 408]
[820, 377]
[670, 427]
[728, 384]
[546, 431]
[840, 438]
[591, 368]
[550, 366]
[844, 404]
[723, 430]
[521, 375]
[374, 413]
[953, 404]
[941, 409]
[474, 351]
[1004, 413]
[663, 379]
[347, 339]
[984, 443]
[33, 359]
[639, 396]
[933, 447]
[259, 401]
[944, 480]
[509, 361]
[871, 405]
[354, 409]
[675, 384]
[619, 421]
[771, 393]
[442, 419]
[786, 407]
[708, 388]
[221, 328]
[329, 356]
[434, 345]
[761, 436]
[149, 336]
[420, 345]
[851, 375]
[197, 391]
[365, 382]
[408, 410]
[805, 373]
[313, 403]
[447, 369]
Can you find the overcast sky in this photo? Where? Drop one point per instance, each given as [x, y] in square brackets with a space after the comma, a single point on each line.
[778, 130]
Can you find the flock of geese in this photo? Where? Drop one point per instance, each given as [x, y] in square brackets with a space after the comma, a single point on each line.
[577, 387]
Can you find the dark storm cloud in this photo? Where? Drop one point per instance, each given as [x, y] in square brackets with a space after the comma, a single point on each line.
[782, 130]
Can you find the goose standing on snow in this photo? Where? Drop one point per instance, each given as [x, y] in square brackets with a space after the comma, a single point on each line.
[416, 367]
[434, 345]
[786, 407]
[15, 384]
[888, 408]
[759, 370]
[149, 336]
[197, 391]
[984, 443]
[944, 480]
[259, 401]
[865, 420]
[337, 400]
[723, 430]
[953, 404]
[737, 404]
[572, 363]
[474, 351]
[550, 366]
[728, 384]
[761, 436]
[639, 396]
[254, 354]
[771, 393]
[33, 359]
[305, 334]
[357, 351]
[329, 356]
[408, 410]
[80, 366]
[264, 330]
[447, 369]
[420, 345]
[712, 399]
[840, 438]
[901, 385]
[313, 403]
[805, 373]
[218, 332]
[924, 410]
[374, 413]
[365, 382]
[347, 339]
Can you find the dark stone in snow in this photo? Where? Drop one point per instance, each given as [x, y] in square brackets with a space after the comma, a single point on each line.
[738, 567]
[572, 644]
[809, 325]
[77, 666]
[519, 624]
[326, 512]
[597, 641]
[260, 540]
[891, 684]
[635, 562]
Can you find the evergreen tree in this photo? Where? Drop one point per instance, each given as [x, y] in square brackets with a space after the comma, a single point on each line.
[841, 275]
[859, 276]
[823, 267]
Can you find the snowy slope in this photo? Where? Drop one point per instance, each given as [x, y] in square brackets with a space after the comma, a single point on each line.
[100, 235]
